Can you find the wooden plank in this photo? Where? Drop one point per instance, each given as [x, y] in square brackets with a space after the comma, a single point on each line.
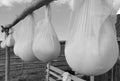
[54, 74]
[61, 72]
[56, 69]
[76, 78]
[7, 65]
[51, 79]
[48, 71]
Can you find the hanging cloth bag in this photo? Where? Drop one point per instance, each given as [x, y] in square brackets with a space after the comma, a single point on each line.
[91, 48]
[10, 39]
[3, 42]
[46, 46]
[24, 39]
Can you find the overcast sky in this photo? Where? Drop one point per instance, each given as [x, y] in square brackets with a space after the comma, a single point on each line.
[60, 16]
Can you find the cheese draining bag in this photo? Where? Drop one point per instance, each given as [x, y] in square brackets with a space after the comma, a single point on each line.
[91, 47]
[24, 39]
[46, 46]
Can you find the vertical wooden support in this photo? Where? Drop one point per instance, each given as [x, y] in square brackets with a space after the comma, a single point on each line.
[47, 70]
[7, 64]
[22, 68]
[112, 75]
[7, 60]
[92, 78]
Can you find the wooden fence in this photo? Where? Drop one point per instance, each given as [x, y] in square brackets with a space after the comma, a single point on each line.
[20, 69]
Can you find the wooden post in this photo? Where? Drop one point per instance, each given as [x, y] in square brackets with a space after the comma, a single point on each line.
[112, 75]
[92, 78]
[7, 64]
[47, 70]
[7, 59]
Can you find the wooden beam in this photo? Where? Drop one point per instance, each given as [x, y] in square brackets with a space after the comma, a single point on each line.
[74, 78]
[7, 63]
[51, 79]
[48, 71]
[36, 5]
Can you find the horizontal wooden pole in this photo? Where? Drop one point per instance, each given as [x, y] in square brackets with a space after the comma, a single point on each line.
[35, 5]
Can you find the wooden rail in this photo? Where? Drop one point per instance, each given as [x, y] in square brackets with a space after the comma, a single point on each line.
[56, 72]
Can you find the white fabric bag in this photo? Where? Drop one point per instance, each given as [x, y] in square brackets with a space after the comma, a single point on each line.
[46, 46]
[10, 39]
[24, 39]
[92, 48]
[3, 43]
